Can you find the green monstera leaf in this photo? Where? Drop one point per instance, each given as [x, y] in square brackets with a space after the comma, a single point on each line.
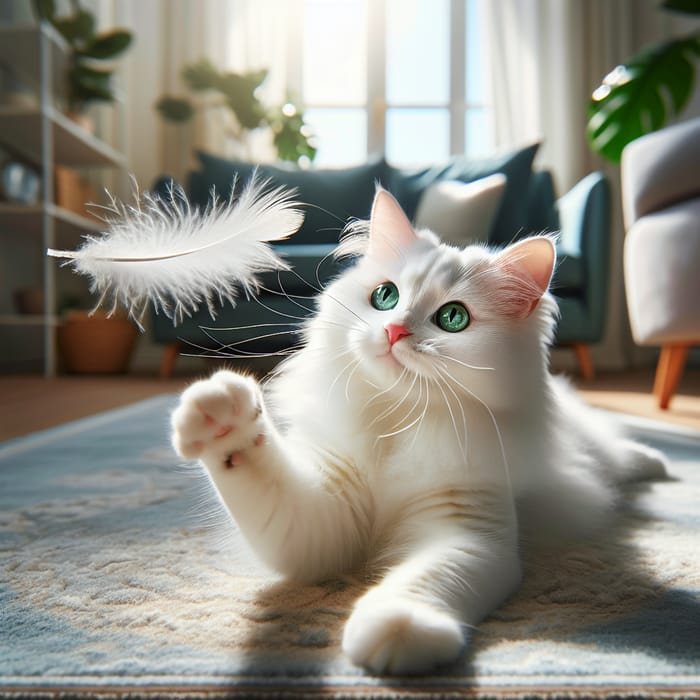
[640, 97]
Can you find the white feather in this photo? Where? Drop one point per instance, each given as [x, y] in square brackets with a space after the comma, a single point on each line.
[176, 257]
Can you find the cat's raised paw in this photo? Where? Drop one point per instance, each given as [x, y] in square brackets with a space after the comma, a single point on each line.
[219, 419]
[401, 637]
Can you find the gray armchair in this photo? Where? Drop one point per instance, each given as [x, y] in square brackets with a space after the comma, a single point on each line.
[661, 203]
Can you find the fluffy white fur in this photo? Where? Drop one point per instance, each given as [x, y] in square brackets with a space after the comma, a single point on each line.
[423, 463]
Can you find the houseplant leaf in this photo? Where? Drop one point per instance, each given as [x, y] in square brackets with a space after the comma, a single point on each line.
[175, 109]
[91, 84]
[79, 27]
[639, 97]
[691, 7]
[45, 9]
[239, 93]
[201, 76]
[108, 44]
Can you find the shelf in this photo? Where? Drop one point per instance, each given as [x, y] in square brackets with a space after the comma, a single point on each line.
[20, 49]
[73, 146]
[28, 219]
[38, 57]
[27, 320]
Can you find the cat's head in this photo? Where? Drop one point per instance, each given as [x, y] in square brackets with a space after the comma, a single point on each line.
[465, 320]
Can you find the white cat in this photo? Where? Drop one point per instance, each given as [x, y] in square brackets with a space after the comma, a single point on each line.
[417, 435]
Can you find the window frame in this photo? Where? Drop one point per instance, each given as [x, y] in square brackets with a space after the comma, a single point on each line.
[376, 105]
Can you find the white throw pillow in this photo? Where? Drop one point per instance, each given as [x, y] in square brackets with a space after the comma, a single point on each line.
[461, 212]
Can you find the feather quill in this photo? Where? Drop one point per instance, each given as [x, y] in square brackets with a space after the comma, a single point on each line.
[166, 253]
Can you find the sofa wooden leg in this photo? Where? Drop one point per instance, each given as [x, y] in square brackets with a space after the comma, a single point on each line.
[668, 372]
[585, 363]
[167, 364]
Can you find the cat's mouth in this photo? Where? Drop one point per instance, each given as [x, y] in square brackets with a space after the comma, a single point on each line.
[401, 356]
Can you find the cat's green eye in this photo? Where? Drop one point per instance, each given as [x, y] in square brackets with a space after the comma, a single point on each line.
[385, 296]
[452, 317]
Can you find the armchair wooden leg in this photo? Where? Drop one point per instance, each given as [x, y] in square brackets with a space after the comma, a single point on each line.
[585, 363]
[668, 372]
[167, 364]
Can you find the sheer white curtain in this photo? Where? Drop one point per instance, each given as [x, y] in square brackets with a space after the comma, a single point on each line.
[236, 35]
[545, 57]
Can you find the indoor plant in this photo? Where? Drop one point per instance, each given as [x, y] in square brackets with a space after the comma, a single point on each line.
[236, 94]
[94, 342]
[640, 96]
[89, 76]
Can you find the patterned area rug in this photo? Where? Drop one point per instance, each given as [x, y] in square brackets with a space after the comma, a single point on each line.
[121, 577]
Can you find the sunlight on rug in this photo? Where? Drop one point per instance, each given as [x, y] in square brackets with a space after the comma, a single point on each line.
[120, 575]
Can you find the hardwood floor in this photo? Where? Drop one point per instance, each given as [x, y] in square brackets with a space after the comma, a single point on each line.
[29, 403]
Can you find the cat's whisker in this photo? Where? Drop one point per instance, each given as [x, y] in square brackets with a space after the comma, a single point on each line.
[354, 359]
[374, 398]
[251, 326]
[395, 405]
[454, 421]
[347, 381]
[465, 364]
[461, 409]
[413, 407]
[252, 339]
[423, 414]
[506, 466]
[384, 436]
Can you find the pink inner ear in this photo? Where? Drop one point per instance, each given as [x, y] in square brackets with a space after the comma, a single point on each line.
[528, 267]
[390, 231]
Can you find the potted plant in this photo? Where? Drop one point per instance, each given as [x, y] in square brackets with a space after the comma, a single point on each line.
[640, 96]
[235, 93]
[94, 342]
[89, 77]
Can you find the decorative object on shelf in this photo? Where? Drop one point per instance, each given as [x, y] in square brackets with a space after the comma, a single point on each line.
[236, 94]
[95, 342]
[19, 182]
[14, 91]
[640, 96]
[73, 192]
[88, 78]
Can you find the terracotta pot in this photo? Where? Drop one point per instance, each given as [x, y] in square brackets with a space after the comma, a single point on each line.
[96, 344]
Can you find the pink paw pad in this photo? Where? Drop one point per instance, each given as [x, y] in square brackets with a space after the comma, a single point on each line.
[234, 460]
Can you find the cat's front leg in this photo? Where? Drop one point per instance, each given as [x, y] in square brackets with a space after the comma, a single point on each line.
[220, 421]
[419, 616]
[303, 515]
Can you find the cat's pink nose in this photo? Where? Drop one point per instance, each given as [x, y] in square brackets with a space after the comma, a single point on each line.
[395, 332]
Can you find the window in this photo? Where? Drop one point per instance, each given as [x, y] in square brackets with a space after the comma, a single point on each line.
[399, 77]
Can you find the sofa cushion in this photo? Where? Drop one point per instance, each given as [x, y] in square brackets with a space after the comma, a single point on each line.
[461, 212]
[313, 266]
[569, 276]
[511, 219]
[330, 196]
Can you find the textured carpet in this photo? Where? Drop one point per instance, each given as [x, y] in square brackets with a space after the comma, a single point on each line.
[120, 577]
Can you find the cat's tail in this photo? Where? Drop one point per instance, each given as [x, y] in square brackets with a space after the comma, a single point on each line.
[176, 257]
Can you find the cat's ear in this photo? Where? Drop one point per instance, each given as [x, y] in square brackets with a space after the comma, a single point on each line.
[390, 231]
[528, 267]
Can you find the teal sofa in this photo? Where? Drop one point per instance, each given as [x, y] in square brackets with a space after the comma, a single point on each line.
[331, 198]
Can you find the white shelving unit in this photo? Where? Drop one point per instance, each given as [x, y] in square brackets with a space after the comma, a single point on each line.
[43, 136]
